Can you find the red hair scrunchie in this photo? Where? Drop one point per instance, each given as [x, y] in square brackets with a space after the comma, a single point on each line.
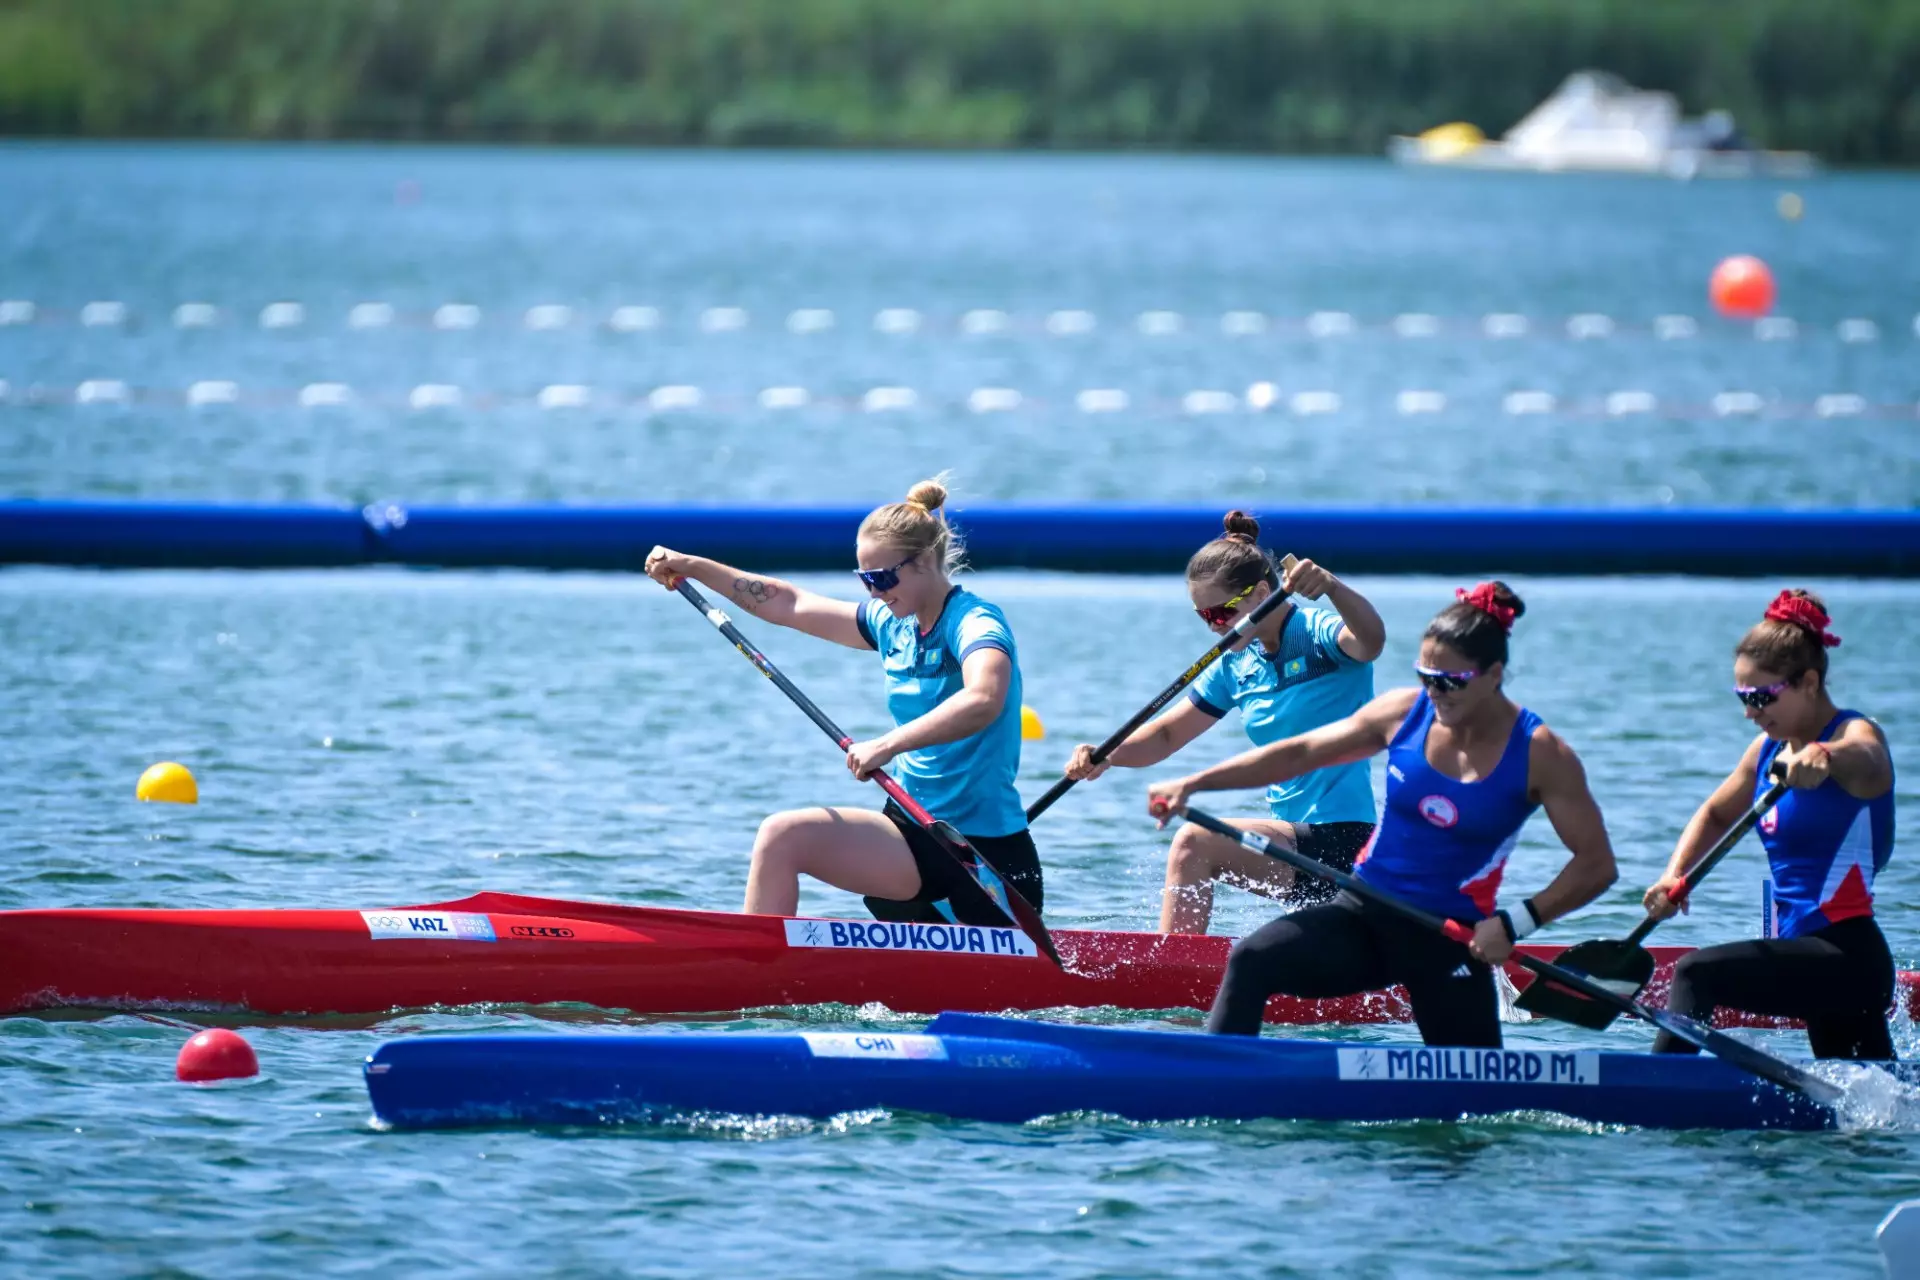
[1486, 598]
[1802, 612]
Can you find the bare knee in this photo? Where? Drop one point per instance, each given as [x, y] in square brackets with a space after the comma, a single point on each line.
[1188, 861]
[782, 839]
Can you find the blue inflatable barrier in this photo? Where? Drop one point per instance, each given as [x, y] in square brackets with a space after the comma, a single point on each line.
[1114, 539]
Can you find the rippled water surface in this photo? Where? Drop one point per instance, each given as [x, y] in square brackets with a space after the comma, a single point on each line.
[367, 738]
[372, 738]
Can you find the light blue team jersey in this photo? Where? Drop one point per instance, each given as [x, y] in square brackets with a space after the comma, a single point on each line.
[969, 783]
[1310, 682]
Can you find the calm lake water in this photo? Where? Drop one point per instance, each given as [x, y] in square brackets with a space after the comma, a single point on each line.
[371, 738]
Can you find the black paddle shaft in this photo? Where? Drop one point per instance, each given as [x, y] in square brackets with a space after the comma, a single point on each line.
[1725, 1047]
[1234, 635]
[1693, 875]
[1018, 911]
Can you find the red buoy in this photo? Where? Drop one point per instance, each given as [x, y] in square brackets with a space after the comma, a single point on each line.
[1742, 288]
[217, 1054]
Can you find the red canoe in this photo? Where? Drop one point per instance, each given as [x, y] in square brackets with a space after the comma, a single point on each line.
[505, 949]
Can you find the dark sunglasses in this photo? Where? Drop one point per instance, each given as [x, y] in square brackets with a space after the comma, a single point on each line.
[1444, 681]
[1761, 696]
[884, 579]
[1219, 615]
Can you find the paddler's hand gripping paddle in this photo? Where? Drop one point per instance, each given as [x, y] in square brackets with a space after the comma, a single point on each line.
[1622, 964]
[1737, 1052]
[1018, 910]
[1234, 635]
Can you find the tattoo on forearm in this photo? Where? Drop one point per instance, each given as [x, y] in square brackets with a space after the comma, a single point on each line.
[752, 593]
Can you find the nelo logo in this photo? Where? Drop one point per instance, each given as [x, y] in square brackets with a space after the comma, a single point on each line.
[540, 931]
[1439, 811]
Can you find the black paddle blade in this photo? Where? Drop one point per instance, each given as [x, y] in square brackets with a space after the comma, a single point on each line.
[1018, 910]
[1620, 965]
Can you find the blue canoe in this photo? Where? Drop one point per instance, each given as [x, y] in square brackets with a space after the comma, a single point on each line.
[974, 1067]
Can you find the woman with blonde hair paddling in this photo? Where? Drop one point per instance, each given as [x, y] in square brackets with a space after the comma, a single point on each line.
[953, 687]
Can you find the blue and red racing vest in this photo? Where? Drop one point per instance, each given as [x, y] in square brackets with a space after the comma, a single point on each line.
[1443, 844]
[1824, 847]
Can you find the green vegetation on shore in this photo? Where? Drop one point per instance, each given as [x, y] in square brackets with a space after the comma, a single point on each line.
[1838, 77]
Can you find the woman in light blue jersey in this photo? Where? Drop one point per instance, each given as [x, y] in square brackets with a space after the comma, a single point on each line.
[1302, 668]
[953, 686]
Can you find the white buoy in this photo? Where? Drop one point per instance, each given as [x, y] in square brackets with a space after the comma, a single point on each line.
[317, 395]
[282, 315]
[1330, 324]
[889, 399]
[983, 321]
[1159, 324]
[897, 320]
[1622, 403]
[201, 393]
[548, 316]
[370, 315]
[1730, 403]
[1204, 402]
[675, 397]
[722, 319]
[1504, 324]
[1309, 403]
[434, 395]
[1420, 402]
[634, 319]
[1416, 325]
[1525, 402]
[993, 400]
[1069, 323]
[1673, 328]
[103, 315]
[1243, 324]
[565, 396]
[810, 320]
[784, 398]
[100, 391]
[1590, 325]
[1101, 400]
[195, 315]
[456, 315]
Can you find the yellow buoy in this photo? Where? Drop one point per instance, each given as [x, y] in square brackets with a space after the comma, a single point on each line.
[168, 782]
[1030, 727]
[1791, 206]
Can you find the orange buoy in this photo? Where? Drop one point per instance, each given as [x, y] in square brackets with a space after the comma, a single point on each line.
[216, 1054]
[1742, 288]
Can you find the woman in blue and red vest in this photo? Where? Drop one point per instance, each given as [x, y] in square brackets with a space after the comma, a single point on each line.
[1826, 839]
[1466, 767]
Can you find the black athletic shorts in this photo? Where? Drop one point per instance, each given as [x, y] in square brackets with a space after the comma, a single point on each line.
[1335, 843]
[944, 880]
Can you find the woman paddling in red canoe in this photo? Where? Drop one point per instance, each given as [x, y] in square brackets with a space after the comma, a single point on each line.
[1826, 839]
[953, 686]
[1466, 766]
[1303, 668]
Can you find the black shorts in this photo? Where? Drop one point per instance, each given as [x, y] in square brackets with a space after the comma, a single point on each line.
[1336, 844]
[944, 880]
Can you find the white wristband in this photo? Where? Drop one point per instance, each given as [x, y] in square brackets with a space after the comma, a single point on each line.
[1522, 921]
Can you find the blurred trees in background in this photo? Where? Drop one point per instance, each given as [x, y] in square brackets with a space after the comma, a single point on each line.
[1838, 77]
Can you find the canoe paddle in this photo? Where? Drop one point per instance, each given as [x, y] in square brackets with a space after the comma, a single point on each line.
[1019, 912]
[1231, 637]
[1724, 1047]
[1622, 964]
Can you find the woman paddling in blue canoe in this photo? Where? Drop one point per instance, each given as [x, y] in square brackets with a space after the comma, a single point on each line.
[1466, 766]
[953, 686]
[1303, 668]
[1827, 961]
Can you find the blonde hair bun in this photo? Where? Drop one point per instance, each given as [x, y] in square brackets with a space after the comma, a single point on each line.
[929, 495]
